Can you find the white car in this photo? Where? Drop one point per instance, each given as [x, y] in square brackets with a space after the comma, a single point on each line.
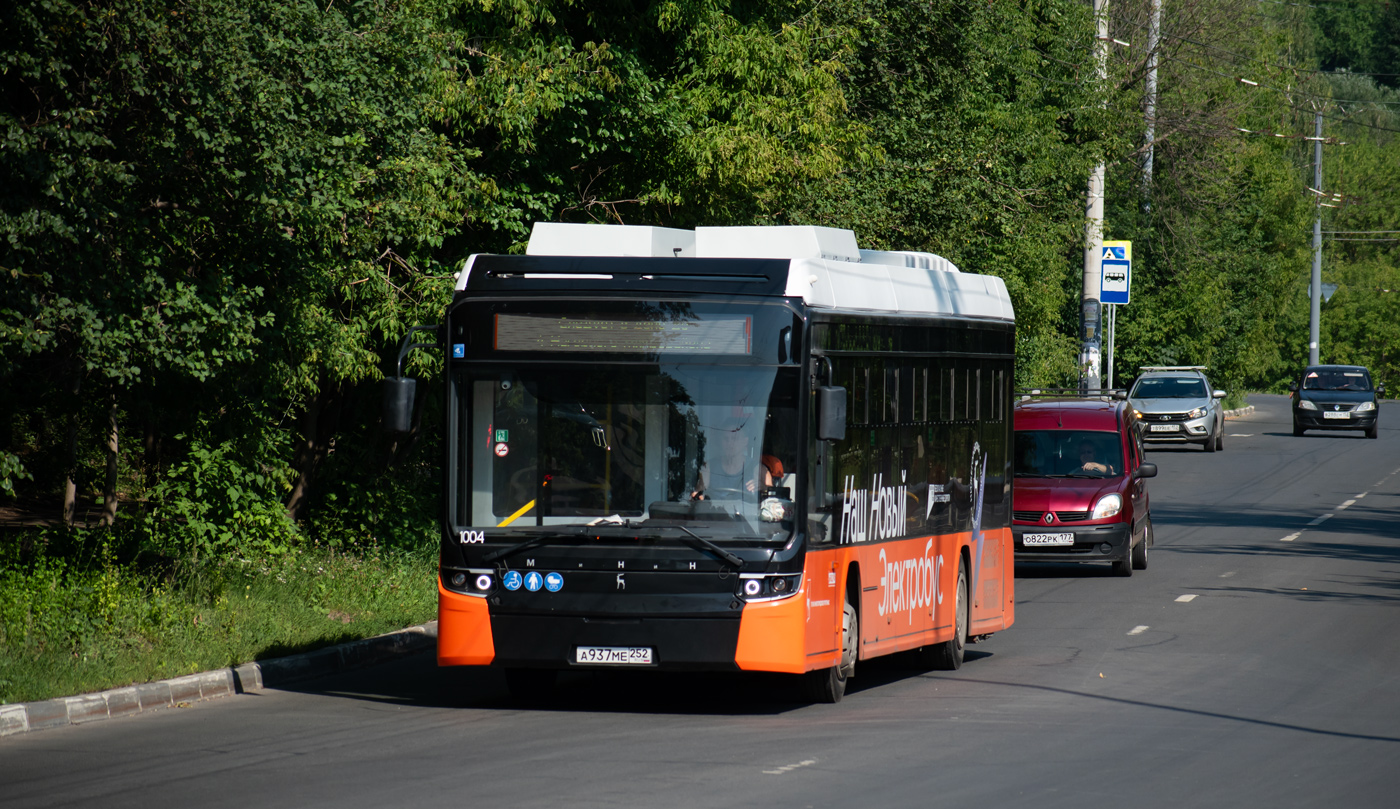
[1177, 405]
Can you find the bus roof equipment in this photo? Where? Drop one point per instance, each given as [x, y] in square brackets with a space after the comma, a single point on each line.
[822, 266]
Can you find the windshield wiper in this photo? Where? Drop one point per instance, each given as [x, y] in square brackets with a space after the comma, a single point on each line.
[700, 543]
[533, 542]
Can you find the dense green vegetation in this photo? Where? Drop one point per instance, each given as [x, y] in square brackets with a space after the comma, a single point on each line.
[220, 217]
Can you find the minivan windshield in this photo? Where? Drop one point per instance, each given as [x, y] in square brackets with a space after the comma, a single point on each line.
[1169, 388]
[1336, 379]
[1068, 454]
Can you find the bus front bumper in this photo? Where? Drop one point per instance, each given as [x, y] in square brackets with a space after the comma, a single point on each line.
[764, 636]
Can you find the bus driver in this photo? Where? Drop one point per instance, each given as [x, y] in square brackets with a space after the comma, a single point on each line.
[732, 476]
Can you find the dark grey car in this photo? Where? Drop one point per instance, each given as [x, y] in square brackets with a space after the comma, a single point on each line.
[1178, 406]
[1336, 397]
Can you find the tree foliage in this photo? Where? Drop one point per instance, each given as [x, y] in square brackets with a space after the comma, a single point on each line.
[219, 217]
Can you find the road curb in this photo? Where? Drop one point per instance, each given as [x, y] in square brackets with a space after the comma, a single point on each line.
[25, 717]
[1242, 411]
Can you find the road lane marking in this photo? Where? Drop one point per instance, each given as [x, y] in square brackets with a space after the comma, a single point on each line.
[1137, 630]
[1320, 520]
[1241, 435]
[1291, 536]
[1227, 575]
[1363, 494]
[1347, 504]
[1187, 597]
[790, 767]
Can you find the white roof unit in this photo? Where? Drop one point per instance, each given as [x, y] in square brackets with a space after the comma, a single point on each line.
[826, 268]
[777, 241]
[570, 239]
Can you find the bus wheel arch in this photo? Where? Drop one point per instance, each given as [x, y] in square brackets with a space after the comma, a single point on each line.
[829, 684]
[948, 655]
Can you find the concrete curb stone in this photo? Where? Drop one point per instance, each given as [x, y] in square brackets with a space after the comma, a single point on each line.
[1242, 411]
[244, 678]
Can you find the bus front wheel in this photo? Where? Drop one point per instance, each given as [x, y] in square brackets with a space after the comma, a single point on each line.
[948, 656]
[829, 684]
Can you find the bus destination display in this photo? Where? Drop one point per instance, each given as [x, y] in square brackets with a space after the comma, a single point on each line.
[561, 333]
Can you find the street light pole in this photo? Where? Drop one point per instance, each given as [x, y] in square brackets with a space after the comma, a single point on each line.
[1090, 317]
[1315, 305]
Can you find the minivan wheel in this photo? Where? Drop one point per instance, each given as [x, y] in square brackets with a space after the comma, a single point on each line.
[1140, 552]
[1124, 567]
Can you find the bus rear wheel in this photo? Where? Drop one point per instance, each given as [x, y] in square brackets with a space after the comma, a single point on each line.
[948, 655]
[829, 684]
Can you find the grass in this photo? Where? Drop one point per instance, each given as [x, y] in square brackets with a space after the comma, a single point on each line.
[68, 628]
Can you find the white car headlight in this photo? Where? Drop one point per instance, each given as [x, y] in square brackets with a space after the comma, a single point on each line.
[1197, 413]
[1365, 407]
[1107, 506]
[1304, 404]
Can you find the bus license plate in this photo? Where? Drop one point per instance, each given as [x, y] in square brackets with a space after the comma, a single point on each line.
[1165, 428]
[1333, 414]
[613, 655]
[1047, 539]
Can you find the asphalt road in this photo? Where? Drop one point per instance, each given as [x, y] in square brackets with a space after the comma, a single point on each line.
[1254, 663]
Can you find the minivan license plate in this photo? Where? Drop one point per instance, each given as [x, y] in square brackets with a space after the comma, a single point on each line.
[1047, 539]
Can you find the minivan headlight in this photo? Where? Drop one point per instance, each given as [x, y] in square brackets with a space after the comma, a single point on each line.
[1304, 404]
[1365, 407]
[1107, 506]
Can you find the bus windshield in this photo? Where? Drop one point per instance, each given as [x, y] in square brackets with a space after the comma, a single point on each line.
[705, 448]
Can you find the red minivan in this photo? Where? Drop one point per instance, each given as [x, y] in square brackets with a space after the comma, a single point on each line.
[1080, 493]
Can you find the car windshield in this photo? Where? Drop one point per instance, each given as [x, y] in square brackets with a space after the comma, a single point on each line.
[1169, 388]
[703, 449]
[1068, 454]
[1336, 380]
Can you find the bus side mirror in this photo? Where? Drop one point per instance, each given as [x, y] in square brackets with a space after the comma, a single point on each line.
[831, 413]
[398, 403]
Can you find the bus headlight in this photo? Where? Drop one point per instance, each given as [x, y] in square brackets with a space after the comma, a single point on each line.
[767, 586]
[471, 582]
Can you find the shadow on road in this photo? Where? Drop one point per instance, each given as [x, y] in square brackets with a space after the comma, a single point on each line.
[418, 681]
[1193, 712]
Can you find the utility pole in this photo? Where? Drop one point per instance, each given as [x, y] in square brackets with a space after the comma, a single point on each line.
[1090, 317]
[1154, 39]
[1315, 305]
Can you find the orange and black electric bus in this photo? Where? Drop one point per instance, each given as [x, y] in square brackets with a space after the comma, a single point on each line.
[733, 449]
